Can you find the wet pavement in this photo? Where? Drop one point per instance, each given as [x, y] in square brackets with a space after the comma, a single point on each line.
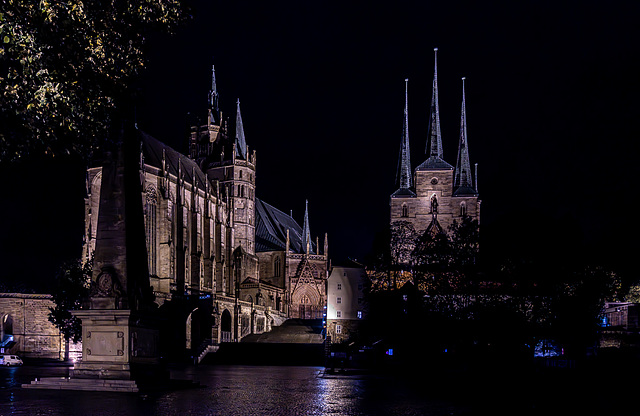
[230, 390]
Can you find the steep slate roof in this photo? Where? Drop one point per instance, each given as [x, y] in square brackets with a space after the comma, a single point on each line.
[152, 152]
[403, 193]
[465, 191]
[271, 229]
[434, 163]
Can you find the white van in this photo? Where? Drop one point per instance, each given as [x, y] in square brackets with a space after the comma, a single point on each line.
[7, 360]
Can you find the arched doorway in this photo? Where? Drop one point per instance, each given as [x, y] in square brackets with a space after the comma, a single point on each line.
[225, 326]
[198, 328]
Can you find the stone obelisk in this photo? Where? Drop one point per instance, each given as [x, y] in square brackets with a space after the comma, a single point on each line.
[119, 322]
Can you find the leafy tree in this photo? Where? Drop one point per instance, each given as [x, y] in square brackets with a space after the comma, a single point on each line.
[402, 242]
[72, 288]
[465, 238]
[578, 305]
[67, 66]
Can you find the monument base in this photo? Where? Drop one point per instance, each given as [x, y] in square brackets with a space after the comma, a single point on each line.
[68, 383]
[119, 352]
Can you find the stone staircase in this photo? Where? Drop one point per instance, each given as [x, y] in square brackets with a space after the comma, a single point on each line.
[295, 342]
[292, 331]
[66, 383]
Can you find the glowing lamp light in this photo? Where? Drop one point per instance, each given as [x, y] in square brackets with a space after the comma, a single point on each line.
[389, 352]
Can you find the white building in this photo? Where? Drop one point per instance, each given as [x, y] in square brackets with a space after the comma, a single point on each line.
[346, 306]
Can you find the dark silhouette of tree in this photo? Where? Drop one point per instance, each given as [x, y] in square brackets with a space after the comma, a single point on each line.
[71, 289]
[402, 243]
[465, 243]
[577, 306]
[66, 67]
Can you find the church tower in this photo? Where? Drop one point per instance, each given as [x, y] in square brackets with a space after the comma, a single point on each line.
[403, 199]
[441, 193]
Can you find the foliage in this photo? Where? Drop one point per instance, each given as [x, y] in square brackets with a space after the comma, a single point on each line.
[402, 242]
[578, 305]
[72, 287]
[66, 66]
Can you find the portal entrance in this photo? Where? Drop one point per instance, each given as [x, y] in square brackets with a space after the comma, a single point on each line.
[225, 326]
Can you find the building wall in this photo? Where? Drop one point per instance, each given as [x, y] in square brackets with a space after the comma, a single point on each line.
[346, 307]
[26, 317]
[419, 211]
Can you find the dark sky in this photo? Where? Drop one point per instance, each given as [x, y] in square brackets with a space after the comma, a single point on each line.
[551, 106]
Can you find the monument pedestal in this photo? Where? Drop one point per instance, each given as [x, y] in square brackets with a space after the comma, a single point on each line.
[118, 344]
[119, 353]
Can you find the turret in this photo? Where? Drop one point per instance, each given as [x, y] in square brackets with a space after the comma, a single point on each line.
[463, 182]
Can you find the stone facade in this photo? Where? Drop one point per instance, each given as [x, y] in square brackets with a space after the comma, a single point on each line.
[438, 193]
[25, 317]
[200, 220]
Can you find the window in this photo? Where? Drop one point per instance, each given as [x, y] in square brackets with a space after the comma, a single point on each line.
[338, 314]
[338, 329]
[339, 286]
[338, 299]
[405, 210]
[359, 314]
[150, 228]
[276, 267]
[463, 209]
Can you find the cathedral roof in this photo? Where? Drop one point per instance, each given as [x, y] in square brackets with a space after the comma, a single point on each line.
[434, 163]
[152, 150]
[465, 191]
[403, 193]
[271, 229]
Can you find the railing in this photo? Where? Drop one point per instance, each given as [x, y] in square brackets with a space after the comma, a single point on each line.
[225, 336]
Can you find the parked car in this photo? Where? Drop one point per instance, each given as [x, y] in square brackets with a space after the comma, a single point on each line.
[7, 360]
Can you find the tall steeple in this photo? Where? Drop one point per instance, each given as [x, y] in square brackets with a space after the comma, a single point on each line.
[463, 179]
[306, 234]
[214, 110]
[403, 176]
[241, 144]
[434, 144]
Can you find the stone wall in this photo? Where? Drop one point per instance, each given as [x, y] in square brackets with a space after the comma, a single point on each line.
[25, 316]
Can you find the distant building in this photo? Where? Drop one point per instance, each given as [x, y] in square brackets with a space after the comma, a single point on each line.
[346, 306]
[436, 194]
[25, 328]
[620, 326]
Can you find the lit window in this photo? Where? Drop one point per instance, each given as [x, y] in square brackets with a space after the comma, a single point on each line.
[338, 329]
[359, 314]
[338, 299]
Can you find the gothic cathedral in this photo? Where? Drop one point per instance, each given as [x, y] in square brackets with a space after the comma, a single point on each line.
[224, 263]
[437, 194]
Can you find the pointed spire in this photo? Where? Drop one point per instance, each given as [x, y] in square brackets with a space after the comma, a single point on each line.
[306, 234]
[213, 97]
[463, 167]
[241, 144]
[403, 177]
[435, 136]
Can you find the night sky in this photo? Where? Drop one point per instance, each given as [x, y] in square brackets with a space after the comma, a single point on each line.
[551, 106]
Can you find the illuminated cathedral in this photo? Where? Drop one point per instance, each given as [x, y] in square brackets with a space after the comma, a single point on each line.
[435, 193]
[222, 263]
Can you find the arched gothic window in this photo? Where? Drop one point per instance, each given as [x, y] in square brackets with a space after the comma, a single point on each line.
[405, 210]
[151, 227]
[277, 267]
[463, 209]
